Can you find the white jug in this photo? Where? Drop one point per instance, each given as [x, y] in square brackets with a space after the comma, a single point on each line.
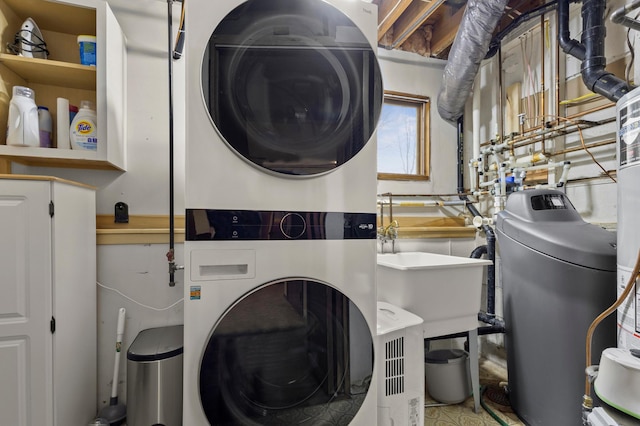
[22, 125]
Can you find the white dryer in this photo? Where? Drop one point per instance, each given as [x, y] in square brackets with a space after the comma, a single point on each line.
[280, 318]
[283, 98]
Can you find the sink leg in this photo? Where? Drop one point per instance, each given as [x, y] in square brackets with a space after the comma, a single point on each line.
[474, 367]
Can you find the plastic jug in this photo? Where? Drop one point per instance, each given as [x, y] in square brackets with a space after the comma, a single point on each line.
[22, 125]
[83, 133]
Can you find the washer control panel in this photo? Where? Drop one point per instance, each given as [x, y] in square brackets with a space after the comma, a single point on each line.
[210, 224]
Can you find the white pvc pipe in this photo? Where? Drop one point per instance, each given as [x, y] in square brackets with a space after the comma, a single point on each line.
[476, 118]
[489, 183]
[565, 173]
[473, 172]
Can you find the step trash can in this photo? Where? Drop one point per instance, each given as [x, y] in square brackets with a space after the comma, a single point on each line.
[558, 273]
[447, 375]
[154, 377]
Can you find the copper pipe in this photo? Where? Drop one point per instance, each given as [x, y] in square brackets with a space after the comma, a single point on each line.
[570, 117]
[579, 148]
[589, 111]
[557, 111]
[586, 179]
[389, 194]
[566, 130]
[500, 104]
[542, 106]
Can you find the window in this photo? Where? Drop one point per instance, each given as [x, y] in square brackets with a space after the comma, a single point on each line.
[403, 137]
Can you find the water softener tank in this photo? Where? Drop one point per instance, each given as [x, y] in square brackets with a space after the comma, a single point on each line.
[558, 273]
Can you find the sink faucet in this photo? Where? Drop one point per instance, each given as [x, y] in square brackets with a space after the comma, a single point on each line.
[388, 233]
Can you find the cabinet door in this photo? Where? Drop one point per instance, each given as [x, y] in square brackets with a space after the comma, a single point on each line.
[25, 304]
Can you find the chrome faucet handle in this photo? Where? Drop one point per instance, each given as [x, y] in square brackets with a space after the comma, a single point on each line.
[382, 233]
[392, 232]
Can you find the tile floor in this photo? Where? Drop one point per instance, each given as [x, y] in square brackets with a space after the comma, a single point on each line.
[463, 415]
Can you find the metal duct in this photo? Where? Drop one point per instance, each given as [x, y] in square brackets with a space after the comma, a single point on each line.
[590, 49]
[469, 48]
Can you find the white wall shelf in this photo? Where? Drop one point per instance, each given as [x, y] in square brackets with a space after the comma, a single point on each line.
[62, 75]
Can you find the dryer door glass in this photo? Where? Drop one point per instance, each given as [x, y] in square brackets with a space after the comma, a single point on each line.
[291, 352]
[293, 86]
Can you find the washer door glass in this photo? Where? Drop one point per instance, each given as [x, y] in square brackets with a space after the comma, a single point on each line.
[292, 352]
[293, 86]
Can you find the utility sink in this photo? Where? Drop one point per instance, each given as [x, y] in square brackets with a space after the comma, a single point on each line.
[445, 291]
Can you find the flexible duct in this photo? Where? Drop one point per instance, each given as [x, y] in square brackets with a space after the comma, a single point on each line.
[469, 48]
[590, 49]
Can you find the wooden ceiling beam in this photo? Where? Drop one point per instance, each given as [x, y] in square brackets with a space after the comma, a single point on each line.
[388, 12]
[444, 32]
[415, 16]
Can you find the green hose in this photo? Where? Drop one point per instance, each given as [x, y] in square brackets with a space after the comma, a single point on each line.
[488, 410]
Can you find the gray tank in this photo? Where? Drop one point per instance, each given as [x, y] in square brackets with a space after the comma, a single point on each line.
[558, 273]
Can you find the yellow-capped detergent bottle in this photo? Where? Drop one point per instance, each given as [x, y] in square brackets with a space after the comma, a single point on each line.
[83, 133]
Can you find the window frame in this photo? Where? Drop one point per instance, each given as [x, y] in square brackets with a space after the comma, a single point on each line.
[423, 141]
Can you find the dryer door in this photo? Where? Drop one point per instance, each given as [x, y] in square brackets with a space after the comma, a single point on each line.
[292, 86]
[292, 352]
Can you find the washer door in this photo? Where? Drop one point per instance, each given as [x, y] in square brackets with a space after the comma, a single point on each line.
[293, 86]
[292, 352]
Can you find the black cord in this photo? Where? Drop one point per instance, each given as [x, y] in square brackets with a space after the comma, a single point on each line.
[172, 281]
[632, 55]
[19, 41]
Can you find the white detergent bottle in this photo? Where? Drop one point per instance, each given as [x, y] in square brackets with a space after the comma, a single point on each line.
[83, 133]
[22, 125]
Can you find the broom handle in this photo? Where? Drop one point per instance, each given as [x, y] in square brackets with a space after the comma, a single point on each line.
[116, 368]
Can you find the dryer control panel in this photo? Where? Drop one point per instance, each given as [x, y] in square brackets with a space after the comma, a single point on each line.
[221, 225]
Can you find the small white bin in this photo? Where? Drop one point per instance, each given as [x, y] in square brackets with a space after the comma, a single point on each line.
[447, 375]
[399, 367]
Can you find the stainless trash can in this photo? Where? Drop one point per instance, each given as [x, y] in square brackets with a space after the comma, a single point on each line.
[154, 377]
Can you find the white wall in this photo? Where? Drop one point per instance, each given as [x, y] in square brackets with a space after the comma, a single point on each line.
[411, 73]
[594, 197]
[139, 271]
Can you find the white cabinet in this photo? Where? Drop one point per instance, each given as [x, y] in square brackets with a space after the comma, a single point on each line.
[62, 75]
[47, 302]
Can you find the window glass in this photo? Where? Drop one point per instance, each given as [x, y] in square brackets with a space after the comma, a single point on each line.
[403, 137]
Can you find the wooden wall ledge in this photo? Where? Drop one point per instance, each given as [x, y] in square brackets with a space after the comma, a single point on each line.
[141, 229]
[418, 232]
[418, 227]
[154, 229]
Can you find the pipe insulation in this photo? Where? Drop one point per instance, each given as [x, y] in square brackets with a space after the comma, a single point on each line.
[469, 48]
[619, 16]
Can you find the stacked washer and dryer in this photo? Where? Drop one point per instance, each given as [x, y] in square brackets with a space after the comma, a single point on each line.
[283, 97]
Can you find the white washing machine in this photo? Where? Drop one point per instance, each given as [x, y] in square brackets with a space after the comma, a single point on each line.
[280, 318]
[283, 98]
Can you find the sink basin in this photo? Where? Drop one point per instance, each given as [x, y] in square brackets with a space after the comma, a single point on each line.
[445, 291]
